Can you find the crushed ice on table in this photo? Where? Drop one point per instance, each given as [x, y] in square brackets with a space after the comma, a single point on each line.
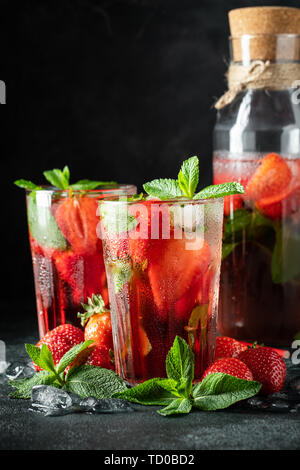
[19, 370]
[56, 402]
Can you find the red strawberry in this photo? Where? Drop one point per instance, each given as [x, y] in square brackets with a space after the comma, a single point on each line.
[280, 205]
[93, 356]
[271, 177]
[98, 323]
[60, 340]
[77, 219]
[228, 347]
[231, 366]
[267, 367]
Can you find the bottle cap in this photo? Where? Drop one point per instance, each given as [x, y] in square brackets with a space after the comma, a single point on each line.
[263, 33]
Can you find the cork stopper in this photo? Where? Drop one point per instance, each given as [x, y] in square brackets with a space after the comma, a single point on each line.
[262, 33]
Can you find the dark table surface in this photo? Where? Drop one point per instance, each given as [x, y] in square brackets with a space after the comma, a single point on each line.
[144, 429]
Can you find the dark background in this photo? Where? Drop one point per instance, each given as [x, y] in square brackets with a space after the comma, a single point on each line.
[119, 90]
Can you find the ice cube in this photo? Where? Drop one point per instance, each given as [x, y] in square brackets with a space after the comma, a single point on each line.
[18, 370]
[50, 400]
[105, 405]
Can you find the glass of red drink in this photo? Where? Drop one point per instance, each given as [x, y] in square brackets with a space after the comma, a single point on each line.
[162, 261]
[66, 251]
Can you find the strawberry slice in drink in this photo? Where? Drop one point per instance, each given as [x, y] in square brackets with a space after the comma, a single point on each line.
[282, 205]
[173, 269]
[272, 177]
[77, 220]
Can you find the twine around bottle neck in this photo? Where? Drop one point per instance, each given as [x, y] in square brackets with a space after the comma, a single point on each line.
[258, 75]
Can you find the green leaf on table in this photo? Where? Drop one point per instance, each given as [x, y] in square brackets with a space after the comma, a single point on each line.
[180, 366]
[151, 392]
[188, 176]
[177, 406]
[42, 356]
[220, 190]
[92, 381]
[23, 386]
[218, 391]
[70, 355]
[163, 188]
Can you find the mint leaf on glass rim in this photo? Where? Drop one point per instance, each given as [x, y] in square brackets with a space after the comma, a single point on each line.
[58, 178]
[220, 190]
[163, 188]
[26, 184]
[85, 185]
[218, 391]
[188, 176]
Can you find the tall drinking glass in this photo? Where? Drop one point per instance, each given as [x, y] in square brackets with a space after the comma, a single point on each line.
[162, 261]
[66, 251]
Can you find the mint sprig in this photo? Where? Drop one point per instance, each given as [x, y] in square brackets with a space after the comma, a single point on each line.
[177, 393]
[186, 185]
[61, 179]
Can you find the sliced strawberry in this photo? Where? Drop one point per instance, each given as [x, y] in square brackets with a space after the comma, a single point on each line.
[172, 270]
[271, 177]
[77, 220]
[281, 205]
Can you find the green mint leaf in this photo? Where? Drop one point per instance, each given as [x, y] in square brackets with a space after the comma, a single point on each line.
[116, 218]
[218, 391]
[220, 190]
[227, 248]
[92, 381]
[41, 356]
[180, 366]
[197, 320]
[240, 220]
[177, 406]
[188, 177]
[25, 184]
[85, 185]
[66, 174]
[70, 355]
[285, 263]
[121, 273]
[163, 188]
[23, 386]
[43, 226]
[151, 392]
[57, 178]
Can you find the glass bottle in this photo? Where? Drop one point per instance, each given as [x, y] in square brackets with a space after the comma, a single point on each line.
[257, 142]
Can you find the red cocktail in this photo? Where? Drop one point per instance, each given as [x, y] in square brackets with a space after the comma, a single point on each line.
[260, 273]
[162, 260]
[66, 251]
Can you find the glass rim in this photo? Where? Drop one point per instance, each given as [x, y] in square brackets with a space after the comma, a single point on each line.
[106, 189]
[178, 200]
